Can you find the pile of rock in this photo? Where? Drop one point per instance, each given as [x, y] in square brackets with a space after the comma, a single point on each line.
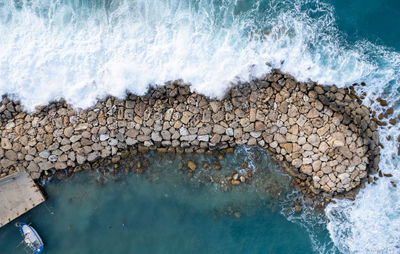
[321, 134]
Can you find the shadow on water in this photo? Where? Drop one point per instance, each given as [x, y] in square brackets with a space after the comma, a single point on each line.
[154, 203]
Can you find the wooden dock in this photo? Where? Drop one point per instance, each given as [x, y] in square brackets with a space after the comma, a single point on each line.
[18, 194]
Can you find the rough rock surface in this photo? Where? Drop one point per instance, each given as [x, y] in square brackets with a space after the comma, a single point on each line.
[323, 136]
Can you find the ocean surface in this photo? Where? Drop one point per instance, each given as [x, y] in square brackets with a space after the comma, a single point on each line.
[167, 210]
[84, 50]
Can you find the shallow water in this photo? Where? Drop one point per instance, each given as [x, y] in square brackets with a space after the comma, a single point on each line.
[164, 210]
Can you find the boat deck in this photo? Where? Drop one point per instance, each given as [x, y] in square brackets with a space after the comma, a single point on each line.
[18, 194]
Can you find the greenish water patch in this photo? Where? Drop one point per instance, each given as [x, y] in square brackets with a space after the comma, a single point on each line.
[169, 209]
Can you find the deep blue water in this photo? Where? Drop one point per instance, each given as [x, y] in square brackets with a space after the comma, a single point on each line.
[375, 21]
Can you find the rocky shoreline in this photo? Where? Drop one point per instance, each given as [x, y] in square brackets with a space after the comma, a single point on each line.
[322, 135]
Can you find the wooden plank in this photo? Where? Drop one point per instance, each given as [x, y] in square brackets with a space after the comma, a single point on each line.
[18, 194]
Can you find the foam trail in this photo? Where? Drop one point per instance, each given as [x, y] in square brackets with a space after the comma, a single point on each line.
[83, 51]
[371, 223]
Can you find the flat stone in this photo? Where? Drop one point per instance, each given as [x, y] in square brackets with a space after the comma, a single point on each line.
[215, 139]
[345, 151]
[166, 135]
[218, 129]
[237, 133]
[323, 130]
[255, 134]
[307, 161]
[252, 142]
[279, 138]
[287, 146]
[75, 138]
[260, 126]
[138, 119]
[45, 165]
[104, 137]
[326, 169]
[356, 161]
[130, 141]
[6, 144]
[146, 131]
[156, 137]
[188, 138]
[252, 114]
[44, 154]
[186, 116]
[314, 140]
[68, 131]
[105, 153]
[112, 142]
[130, 104]
[53, 158]
[5, 163]
[11, 155]
[283, 130]
[60, 165]
[294, 129]
[249, 128]
[229, 132]
[183, 131]
[306, 169]
[168, 114]
[323, 147]
[293, 112]
[316, 165]
[307, 147]
[301, 140]
[283, 107]
[244, 122]
[344, 178]
[297, 163]
[93, 156]
[80, 159]
[204, 138]
[301, 121]
[10, 126]
[132, 133]
[333, 163]
[215, 106]
[325, 188]
[82, 126]
[205, 130]
[142, 138]
[291, 138]
[313, 113]
[337, 140]
[33, 167]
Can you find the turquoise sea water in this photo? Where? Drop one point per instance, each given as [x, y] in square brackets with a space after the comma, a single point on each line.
[83, 50]
[375, 21]
[165, 211]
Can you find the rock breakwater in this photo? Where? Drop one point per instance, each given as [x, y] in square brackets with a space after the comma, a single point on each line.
[322, 135]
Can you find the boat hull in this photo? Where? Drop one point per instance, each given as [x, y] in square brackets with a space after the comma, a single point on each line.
[31, 238]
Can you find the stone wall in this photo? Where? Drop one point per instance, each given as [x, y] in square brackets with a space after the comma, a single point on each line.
[323, 136]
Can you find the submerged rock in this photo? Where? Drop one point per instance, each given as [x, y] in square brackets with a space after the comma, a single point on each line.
[191, 165]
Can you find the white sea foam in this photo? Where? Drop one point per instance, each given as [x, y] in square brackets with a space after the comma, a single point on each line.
[371, 223]
[82, 51]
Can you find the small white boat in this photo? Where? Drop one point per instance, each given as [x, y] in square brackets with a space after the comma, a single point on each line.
[31, 237]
